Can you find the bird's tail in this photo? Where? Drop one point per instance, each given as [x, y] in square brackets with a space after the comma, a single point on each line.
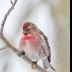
[47, 64]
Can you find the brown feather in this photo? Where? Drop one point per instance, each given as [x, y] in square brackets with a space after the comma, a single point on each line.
[46, 39]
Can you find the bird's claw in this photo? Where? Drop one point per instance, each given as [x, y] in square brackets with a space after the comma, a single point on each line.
[34, 62]
[19, 54]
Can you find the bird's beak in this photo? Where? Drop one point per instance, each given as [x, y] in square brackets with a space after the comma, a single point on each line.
[25, 32]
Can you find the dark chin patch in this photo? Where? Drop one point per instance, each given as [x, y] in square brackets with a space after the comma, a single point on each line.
[25, 34]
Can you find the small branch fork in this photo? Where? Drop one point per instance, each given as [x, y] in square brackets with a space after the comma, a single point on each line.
[8, 45]
[3, 48]
[11, 1]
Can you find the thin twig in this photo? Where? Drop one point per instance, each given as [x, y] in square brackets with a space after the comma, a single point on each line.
[11, 1]
[3, 48]
[6, 15]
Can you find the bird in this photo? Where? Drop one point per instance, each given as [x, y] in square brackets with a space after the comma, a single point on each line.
[34, 44]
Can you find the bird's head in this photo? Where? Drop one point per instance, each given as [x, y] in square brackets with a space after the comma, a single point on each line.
[29, 28]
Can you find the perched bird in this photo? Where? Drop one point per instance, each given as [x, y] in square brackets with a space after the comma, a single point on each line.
[35, 45]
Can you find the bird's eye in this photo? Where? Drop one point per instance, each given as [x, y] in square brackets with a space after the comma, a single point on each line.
[28, 29]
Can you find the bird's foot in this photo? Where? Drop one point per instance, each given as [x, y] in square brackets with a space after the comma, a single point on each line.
[19, 54]
[34, 64]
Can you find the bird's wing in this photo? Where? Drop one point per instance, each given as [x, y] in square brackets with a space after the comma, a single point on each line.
[47, 44]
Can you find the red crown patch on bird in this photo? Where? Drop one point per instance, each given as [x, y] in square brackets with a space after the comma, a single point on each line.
[25, 26]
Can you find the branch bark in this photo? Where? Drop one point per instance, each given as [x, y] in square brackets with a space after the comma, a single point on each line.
[11, 46]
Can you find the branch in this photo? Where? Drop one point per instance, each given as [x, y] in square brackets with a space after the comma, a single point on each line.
[25, 58]
[6, 15]
[3, 48]
[11, 46]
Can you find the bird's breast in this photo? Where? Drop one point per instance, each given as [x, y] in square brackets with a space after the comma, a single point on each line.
[32, 41]
[31, 46]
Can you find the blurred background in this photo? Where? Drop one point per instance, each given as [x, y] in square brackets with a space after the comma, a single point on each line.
[52, 17]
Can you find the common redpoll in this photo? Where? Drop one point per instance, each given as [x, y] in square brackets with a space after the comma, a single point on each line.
[35, 45]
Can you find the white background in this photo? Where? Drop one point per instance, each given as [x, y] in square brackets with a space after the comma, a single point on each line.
[54, 22]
